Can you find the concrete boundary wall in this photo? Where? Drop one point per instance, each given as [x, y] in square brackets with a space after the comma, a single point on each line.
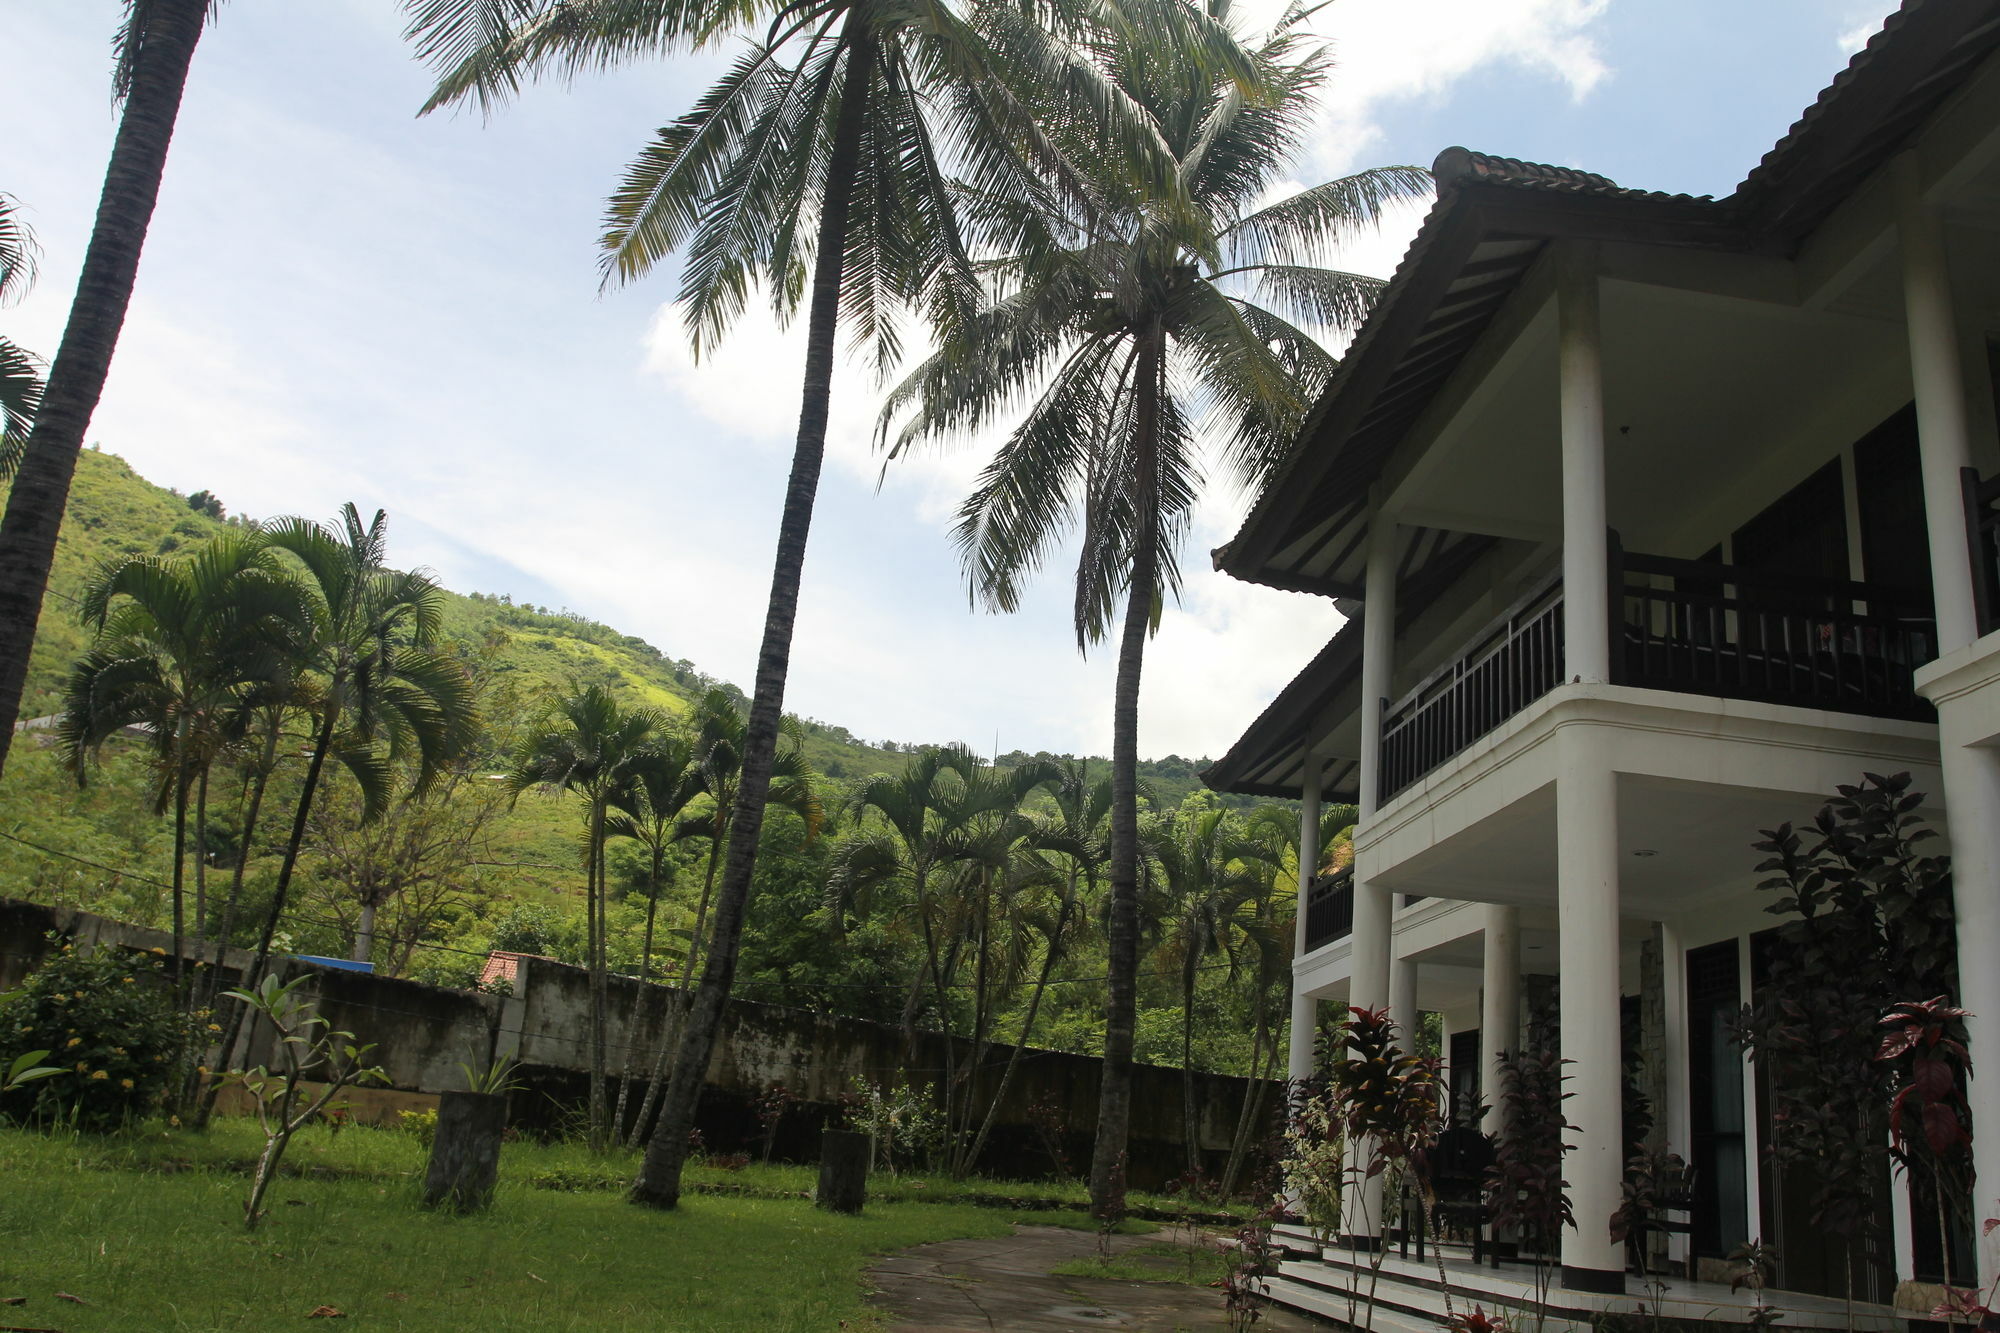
[423, 1034]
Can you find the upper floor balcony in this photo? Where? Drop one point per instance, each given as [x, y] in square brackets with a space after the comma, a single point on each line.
[1688, 626]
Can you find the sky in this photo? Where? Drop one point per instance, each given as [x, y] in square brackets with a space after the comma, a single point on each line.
[342, 301]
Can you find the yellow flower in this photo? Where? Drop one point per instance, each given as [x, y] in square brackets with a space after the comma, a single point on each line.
[125, 1083]
[118, 1050]
[126, 980]
[174, 1120]
[215, 1027]
[201, 1069]
[73, 1041]
[100, 1074]
[81, 1066]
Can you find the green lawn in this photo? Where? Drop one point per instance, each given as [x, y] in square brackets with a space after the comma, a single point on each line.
[146, 1228]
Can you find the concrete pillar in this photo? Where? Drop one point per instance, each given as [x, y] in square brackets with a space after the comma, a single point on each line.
[1305, 1009]
[1587, 899]
[1586, 538]
[1499, 1007]
[1403, 1001]
[1368, 952]
[1675, 1113]
[1937, 375]
[1972, 787]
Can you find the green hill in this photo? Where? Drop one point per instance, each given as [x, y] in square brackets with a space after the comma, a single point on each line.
[114, 512]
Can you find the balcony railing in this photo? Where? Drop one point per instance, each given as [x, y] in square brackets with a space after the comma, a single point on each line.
[1514, 662]
[1688, 626]
[1982, 531]
[1714, 629]
[1330, 909]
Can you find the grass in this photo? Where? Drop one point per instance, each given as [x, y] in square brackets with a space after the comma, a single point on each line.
[1189, 1265]
[146, 1227]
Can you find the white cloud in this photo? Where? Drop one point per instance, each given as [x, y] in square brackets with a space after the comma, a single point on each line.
[1391, 50]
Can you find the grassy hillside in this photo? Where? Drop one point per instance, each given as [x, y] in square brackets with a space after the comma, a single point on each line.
[114, 512]
[104, 844]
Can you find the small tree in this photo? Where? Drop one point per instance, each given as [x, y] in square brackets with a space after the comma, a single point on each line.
[1930, 1122]
[307, 1048]
[1525, 1189]
[1868, 922]
[1390, 1109]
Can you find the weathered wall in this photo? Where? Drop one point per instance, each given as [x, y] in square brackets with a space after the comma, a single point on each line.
[424, 1033]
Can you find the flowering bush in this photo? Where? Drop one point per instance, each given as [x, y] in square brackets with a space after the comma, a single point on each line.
[107, 1017]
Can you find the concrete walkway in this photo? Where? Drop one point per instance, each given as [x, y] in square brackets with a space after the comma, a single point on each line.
[1004, 1283]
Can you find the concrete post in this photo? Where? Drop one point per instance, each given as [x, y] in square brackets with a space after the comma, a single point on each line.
[1368, 984]
[1586, 538]
[1305, 1009]
[1972, 785]
[1403, 1000]
[1499, 1007]
[1937, 375]
[1587, 900]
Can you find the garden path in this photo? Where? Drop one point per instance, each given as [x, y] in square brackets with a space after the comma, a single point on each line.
[1005, 1283]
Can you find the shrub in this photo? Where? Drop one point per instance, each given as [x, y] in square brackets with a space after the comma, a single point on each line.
[109, 1018]
[422, 1124]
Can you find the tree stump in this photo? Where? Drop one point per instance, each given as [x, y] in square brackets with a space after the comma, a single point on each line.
[465, 1153]
[843, 1170]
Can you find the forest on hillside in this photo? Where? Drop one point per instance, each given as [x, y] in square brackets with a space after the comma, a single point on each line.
[905, 882]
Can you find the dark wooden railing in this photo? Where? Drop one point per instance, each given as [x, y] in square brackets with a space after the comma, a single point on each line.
[1703, 628]
[1697, 628]
[1982, 531]
[1330, 909]
[1512, 663]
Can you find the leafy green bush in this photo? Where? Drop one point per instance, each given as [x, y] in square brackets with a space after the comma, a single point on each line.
[109, 1018]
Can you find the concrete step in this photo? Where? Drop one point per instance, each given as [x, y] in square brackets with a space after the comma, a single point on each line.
[1317, 1301]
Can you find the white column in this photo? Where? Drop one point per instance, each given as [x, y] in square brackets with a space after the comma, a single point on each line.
[1937, 375]
[1586, 542]
[1676, 1114]
[1587, 899]
[1368, 951]
[1403, 1000]
[1499, 1007]
[1305, 1009]
[1972, 787]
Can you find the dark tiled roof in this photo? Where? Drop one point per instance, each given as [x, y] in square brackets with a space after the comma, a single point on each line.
[1456, 165]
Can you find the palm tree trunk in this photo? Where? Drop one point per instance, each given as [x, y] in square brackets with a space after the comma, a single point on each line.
[200, 860]
[594, 908]
[322, 742]
[40, 493]
[701, 912]
[1253, 1095]
[176, 961]
[204, 1101]
[1114, 1105]
[659, 1183]
[981, 975]
[1027, 1030]
[1190, 1128]
[638, 1000]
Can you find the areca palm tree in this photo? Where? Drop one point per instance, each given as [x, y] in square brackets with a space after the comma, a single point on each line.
[1211, 877]
[827, 150]
[154, 46]
[647, 809]
[1168, 341]
[20, 374]
[590, 745]
[189, 650]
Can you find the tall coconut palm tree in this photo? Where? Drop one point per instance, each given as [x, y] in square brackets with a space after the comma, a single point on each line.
[590, 745]
[188, 650]
[20, 373]
[829, 147]
[154, 46]
[1165, 343]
